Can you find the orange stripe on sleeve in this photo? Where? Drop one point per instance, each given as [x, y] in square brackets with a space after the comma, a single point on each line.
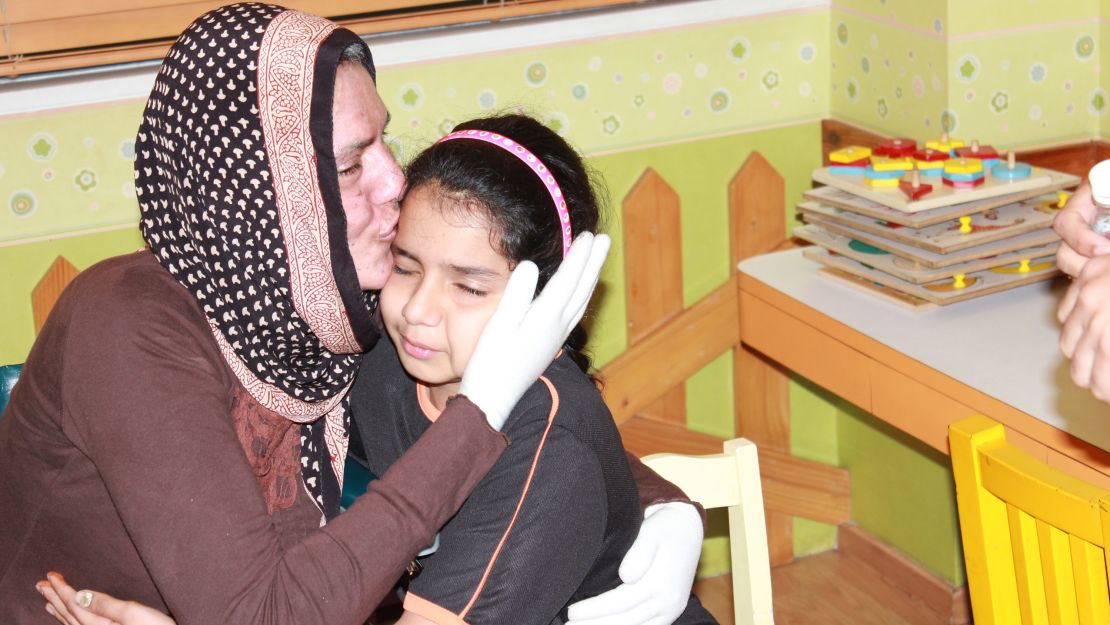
[431, 611]
[520, 502]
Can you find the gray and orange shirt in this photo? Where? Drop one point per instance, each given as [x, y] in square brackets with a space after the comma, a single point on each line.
[550, 522]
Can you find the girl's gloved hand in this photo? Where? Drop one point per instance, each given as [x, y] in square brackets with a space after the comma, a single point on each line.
[658, 572]
[524, 334]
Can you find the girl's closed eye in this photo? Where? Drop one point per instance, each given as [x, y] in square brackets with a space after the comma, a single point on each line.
[472, 291]
[401, 271]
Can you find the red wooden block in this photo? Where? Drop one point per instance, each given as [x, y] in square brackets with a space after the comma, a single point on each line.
[912, 192]
[896, 148]
[964, 185]
[930, 155]
[985, 152]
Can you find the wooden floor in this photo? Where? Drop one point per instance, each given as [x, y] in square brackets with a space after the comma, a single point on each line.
[824, 589]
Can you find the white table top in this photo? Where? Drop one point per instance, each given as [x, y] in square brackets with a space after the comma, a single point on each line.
[1005, 344]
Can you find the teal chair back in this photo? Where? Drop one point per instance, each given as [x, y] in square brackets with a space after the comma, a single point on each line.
[8, 375]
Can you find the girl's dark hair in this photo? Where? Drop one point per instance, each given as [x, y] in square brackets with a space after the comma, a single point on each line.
[486, 179]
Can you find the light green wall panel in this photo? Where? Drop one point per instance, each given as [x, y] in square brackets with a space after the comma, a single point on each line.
[814, 436]
[23, 267]
[986, 17]
[709, 393]
[886, 76]
[1014, 74]
[629, 91]
[67, 171]
[928, 16]
[1027, 88]
[902, 492]
[1104, 62]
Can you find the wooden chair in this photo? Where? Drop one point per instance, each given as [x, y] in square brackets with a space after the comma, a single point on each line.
[1034, 538]
[731, 479]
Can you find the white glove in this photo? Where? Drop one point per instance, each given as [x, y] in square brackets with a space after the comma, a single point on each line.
[658, 572]
[523, 335]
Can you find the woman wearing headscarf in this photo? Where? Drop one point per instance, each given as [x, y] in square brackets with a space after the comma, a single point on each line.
[179, 431]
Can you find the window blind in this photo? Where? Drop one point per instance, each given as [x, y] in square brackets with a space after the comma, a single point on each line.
[50, 35]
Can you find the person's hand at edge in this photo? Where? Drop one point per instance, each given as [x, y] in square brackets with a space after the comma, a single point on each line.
[1084, 313]
[86, 607]
[524, 334]
[1079, 243]
[658, 572]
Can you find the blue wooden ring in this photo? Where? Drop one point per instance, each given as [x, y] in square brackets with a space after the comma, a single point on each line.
[1002, 171]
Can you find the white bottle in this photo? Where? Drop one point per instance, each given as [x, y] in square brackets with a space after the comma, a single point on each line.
[1099, 176]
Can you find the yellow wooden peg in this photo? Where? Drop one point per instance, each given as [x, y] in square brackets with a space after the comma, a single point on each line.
[963, 166]
[1062, 198]
[958, 281]
[965, 224]
[1024, 266]
[850, 154]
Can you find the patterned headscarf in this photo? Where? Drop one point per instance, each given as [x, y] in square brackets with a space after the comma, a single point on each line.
[240, 201]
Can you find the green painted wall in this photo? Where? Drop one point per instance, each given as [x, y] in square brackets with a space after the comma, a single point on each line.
[984, 70]
[902, 491]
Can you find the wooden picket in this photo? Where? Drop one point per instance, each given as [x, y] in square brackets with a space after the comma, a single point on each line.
[653, 273]
[46, 292]
[756, 198]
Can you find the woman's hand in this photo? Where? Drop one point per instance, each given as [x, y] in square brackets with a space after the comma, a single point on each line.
[524, 334]
[658, 572]
[86, 607]
[1073, 224]
[1085, 336]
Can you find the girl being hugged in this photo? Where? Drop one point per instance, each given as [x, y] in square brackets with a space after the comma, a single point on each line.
[552, 520]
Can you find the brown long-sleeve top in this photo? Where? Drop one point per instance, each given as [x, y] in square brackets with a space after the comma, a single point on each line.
[121, 466]
[125, 464]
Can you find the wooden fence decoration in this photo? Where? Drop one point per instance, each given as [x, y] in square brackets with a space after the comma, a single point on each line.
[677, 344]
[46, 292]
[652, 216]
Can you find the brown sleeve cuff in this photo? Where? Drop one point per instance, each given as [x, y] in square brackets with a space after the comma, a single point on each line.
[654, 489]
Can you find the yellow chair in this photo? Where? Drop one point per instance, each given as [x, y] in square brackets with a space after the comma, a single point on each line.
[1034, 538]
[731, 479]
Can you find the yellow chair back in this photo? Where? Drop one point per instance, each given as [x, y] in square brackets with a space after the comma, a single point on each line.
[1034, 537]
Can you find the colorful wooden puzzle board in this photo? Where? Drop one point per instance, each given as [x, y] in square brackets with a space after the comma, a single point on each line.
[909, 270]
[934, 260]
[944, 291]
[944, 238]
[843, 199]
[941, 195]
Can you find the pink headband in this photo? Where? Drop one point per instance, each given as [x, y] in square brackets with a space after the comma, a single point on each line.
[529, 159]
